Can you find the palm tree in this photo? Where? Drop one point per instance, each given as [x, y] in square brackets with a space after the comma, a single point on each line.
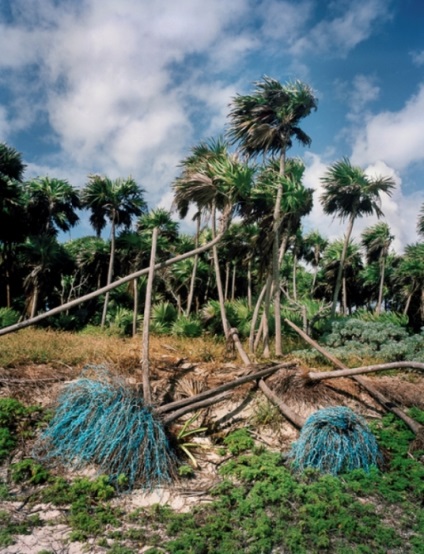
[46, 260]
[213, 180]
[314, 246]
[11, 210]
[351, 268]
[296, 201]
[264, 123]
[349, 193]
[118, 201]
[377, 240]
[51, 205]
[410, 276]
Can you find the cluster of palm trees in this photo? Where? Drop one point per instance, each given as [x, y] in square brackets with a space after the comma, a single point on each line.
[244, 187]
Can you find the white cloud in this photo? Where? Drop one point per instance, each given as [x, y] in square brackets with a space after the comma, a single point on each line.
[395, 138]
[342, 33]
[400, 211]
[417, 57]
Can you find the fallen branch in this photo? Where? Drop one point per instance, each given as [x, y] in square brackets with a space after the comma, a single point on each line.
[222, 388]
[380, 398]
[287, 412]
[195, 406]
[317, 376]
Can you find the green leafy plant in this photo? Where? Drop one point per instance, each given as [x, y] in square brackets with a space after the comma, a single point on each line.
[29, 471]
[186, 446]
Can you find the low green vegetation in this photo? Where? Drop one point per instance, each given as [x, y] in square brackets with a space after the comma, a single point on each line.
[380, 339]
[260, 505]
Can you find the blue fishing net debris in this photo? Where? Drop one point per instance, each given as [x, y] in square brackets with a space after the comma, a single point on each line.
[335, 440]
[99, 420]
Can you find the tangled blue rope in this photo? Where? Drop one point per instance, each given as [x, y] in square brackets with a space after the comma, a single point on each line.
[335, 440]
[99, 421]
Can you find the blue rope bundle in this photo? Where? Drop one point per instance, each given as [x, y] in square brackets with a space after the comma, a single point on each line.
[335, 440]
[99, 421]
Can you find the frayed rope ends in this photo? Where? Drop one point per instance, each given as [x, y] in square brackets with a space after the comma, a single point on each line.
[335, 440]
[99, 421]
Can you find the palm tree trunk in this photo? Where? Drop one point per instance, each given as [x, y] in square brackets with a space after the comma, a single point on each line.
[220, 291]
[344, 295]
[194, 270]
[341, 266]
[147, 393]
[249, 283]
[275, 260]
[294, 277]
[255, 319]
[227, 280]
[135, 310]
[233, 282]
[34, 300]
[110, 271]
[381, 287]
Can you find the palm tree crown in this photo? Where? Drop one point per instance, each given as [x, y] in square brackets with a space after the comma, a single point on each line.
[266, 121]
[349, 192]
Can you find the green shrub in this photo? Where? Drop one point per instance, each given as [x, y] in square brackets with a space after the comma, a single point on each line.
[16, 422]
[8, 317]
[189, 327]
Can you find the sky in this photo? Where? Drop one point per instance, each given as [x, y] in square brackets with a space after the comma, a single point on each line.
[128, 87]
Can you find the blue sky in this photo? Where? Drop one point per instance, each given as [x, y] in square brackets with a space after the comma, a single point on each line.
[128, 87]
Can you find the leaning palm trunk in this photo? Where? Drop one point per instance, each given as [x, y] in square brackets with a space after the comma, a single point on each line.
[147, 393]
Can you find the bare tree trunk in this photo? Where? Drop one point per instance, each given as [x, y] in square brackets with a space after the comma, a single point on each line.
[147, 393]
[110, 271]
[194, 270]
[341, 266]
[227, 280]
[381, 286]
[344, 295]
[318, 376]
[255, 319]
[135, 308]
[275, 258]
[233, 283]
[249, 284]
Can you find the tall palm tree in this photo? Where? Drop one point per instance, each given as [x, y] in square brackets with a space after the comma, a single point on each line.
[264, 123]
[12, 210]
[296, 201]
[349, 193]
[51, 205]
[377, 240]
[117, 201]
